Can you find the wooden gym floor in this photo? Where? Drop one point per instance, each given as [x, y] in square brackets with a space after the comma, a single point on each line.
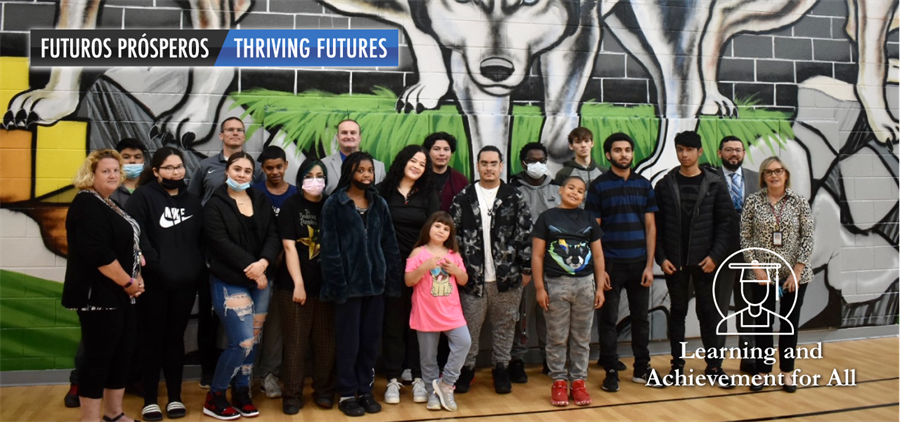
[875, 396]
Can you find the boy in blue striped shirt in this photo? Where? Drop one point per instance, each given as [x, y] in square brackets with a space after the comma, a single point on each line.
[623, 203]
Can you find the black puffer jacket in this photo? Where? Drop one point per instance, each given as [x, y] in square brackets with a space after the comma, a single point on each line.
[713, 217]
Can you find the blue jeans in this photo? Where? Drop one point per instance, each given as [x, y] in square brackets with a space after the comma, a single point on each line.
[242, 311]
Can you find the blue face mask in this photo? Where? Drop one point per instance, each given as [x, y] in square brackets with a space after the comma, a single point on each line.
[133, 171]
[238, 187]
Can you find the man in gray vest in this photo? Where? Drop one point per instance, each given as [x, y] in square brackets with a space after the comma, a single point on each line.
[348, 138]
[741, 183]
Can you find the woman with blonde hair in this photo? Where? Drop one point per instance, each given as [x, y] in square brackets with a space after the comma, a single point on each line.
[779, 220]
[102, 280]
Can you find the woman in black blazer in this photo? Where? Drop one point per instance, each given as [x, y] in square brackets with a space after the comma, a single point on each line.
[242, 238]
[103, 278]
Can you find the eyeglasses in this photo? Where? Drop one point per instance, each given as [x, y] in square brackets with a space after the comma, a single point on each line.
[173, 168]
[776, 172]
[732, 150]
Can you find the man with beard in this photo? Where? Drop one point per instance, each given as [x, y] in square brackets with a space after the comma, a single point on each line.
[624, 204]
[741, 183]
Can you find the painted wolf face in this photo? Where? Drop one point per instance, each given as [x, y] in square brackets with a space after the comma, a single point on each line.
[498, 39]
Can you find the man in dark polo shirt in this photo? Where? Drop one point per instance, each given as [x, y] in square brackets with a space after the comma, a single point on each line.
[623, 203]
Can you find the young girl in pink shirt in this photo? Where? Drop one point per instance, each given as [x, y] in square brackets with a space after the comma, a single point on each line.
[434, 269]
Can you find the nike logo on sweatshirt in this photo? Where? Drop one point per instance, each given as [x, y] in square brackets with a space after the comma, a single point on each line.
[172, 216]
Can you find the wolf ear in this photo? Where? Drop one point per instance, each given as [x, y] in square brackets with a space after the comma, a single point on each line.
[419, 14]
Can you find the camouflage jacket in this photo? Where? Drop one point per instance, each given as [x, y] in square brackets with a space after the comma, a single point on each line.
[510, 237]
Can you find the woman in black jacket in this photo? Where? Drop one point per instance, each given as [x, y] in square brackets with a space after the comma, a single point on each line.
[242, 237]
[103, 278]
[411, 198]
[171, 223]
[360, 265]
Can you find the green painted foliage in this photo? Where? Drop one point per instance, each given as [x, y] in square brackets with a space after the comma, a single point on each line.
[310, 119]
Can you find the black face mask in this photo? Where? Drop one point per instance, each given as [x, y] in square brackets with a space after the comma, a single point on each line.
[169, 184]
[360, 185]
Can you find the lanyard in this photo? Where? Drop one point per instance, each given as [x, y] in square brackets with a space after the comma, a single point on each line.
[778, 215]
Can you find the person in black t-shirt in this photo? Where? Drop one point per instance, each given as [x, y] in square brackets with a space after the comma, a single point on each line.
[567, 258]
[305, 319]
[693, 226]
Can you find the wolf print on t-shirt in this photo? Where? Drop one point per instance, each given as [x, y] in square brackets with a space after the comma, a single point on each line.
[572, 258]
[440, 283]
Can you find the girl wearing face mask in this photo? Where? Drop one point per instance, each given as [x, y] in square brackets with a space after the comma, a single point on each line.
[411, 198]
[360, 265]
[172, 244]
[541, 193]
[242, 238]
[305, 320]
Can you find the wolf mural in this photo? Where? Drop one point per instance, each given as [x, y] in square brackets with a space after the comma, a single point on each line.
[814, 81]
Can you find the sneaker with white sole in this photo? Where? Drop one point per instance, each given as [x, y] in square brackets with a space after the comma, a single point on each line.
[434, 402]
[445, 394]
[406, 376]
[269, 385]
[420, 394]
[392, 392]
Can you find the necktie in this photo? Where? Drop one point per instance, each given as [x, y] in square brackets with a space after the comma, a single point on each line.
[737, 186]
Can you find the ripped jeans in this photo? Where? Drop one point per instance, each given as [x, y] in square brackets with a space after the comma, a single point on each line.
[242, 311]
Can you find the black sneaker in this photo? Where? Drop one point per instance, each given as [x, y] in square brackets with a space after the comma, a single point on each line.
[672, 378]
[240, 399]
[205, 380]
[466, 376]
[351, 407]
[611, 382]
[71, 399]
[217, 406]
[367, 401]
[720, 378]
[517, 371]
[502, 384]
[291, 406]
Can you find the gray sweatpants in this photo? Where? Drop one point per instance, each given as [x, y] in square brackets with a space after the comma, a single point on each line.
[570, 317]
[503, 309]
[460, 342]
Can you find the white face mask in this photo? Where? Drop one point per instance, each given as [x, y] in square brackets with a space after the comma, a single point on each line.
[536, 170]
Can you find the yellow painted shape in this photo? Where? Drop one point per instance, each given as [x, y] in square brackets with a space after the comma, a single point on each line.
[15, 166]
[60, 151]
[13, 78]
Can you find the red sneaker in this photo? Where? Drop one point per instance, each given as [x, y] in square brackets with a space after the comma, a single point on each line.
[217, 406]
[579, 394]
[559, 393]
[240, 399]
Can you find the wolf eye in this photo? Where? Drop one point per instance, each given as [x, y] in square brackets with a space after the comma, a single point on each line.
[462, 1]
[529, 2]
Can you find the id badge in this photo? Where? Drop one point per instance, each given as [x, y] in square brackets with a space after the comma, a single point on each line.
[776, 238]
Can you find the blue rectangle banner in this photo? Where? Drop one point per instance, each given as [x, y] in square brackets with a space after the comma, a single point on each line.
[311, 47]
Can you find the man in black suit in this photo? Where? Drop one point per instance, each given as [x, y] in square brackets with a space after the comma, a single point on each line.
[741, 183]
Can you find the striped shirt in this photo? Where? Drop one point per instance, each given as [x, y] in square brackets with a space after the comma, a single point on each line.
[621, 205]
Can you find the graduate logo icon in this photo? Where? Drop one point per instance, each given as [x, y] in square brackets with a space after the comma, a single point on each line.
[762, 285]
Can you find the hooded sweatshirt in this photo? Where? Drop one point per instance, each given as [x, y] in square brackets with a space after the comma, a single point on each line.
[538, 198]
[572, 168]
[171, 235]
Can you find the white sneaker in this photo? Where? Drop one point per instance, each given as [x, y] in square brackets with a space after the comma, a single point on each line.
[434, 402]
[392, 392]
[420, 394]
[444, 395]
[406, 376]
[269, 385]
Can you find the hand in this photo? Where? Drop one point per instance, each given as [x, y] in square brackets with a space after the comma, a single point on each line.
[526, 278]
[607, 283]
[299, 295]
[647, 277]
[432, 263]
[791, 284]
[599, 298]
[668, 268]
[708, 265]
[761, 275]
[143, 260]
[256, 269]
[542, 299]
[136, 287]
[448, 266]
[262, 282]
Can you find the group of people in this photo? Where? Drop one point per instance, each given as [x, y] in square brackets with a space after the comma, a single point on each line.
[407, 262]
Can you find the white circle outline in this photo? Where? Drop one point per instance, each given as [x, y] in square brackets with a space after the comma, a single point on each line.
[716, 279]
